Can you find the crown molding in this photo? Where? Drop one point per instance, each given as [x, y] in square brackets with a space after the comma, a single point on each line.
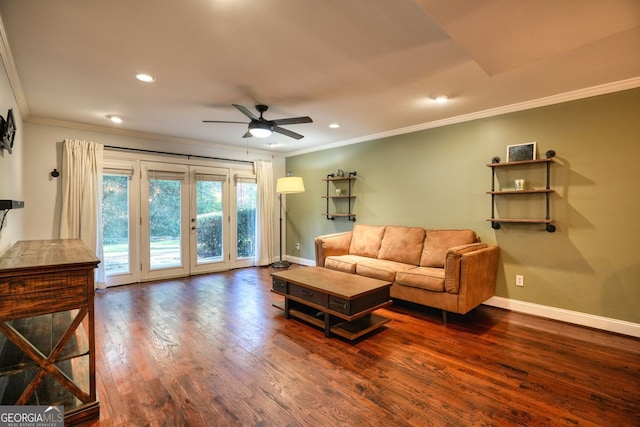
[521, 106]
[43, 121]
[12, 73]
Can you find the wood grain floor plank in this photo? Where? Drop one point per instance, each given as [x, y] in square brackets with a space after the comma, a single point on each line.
[211, 350]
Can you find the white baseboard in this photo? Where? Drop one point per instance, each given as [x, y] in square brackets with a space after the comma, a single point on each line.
[302, 261]
[575, 317]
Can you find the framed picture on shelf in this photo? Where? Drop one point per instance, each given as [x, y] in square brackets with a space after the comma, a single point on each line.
[521, 152]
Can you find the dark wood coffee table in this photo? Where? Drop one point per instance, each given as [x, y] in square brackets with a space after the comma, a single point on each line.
[341, 303]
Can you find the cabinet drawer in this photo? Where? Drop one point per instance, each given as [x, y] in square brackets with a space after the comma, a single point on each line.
[319, 298]
[355, 306]
[32, 295]
[279, 285]
[340, 305]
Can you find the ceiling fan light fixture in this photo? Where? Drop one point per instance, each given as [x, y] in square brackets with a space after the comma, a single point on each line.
[263, 128]
[260, 130]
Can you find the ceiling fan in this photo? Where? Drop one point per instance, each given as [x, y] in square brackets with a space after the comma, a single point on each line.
[261, 127]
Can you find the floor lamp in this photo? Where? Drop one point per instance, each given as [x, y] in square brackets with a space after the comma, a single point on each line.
[286, 185]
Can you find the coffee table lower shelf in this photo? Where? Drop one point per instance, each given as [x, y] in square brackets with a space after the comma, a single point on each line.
[350, 330]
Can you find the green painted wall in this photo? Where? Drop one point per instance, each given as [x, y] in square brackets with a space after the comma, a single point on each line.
[438, 178]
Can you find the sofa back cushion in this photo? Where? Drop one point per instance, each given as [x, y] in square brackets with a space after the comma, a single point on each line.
[402, 244]
[366, 240]
[437, 242]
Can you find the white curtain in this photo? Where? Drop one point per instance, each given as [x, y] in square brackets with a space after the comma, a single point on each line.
[266, 197]
[81, 216]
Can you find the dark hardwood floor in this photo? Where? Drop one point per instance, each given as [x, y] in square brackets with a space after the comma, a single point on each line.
[211, 350]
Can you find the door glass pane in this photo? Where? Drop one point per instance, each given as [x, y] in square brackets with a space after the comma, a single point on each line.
[115, 223]
[164, 223]
[209, 209]
[246, 199]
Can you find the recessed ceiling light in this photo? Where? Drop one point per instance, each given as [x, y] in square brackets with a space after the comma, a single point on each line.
[442, 99]
[114, 119]
[145, 78]
[334, 125]
[273, 144]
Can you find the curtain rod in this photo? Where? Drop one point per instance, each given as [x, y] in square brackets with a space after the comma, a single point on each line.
[140, 150]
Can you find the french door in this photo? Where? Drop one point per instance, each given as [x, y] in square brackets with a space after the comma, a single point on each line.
[164, 224]
[209, 225]
[164, 220]
[120, 230]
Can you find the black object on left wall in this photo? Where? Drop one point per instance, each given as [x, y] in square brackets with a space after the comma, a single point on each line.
[5, 205]
[7, 131]
[11, 204]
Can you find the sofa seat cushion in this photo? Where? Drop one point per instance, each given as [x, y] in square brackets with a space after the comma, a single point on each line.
[428, 278]
[366, 240]
[344, 263]
[402, 244]
[438, 242]
[381, 269]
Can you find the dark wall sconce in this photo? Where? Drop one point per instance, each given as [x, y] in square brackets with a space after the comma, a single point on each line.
[55, 173]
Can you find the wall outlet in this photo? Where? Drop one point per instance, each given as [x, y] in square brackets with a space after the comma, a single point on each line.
[298, 246]
[519, 280]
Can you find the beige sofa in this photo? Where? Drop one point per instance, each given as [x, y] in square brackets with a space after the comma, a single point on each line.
[446, 269]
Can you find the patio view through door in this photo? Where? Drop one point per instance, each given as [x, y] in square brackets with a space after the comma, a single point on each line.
[209, 231]
[189, 215]
[164, 225]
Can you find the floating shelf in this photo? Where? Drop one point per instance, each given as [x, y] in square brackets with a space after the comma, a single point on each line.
[349, 197]
[547, 221]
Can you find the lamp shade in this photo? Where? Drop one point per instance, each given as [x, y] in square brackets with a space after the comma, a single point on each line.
[289, 185]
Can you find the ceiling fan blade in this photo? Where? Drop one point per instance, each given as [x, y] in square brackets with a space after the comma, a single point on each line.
[287, 132]
[244, 110]
[293, 121]
[222, 121]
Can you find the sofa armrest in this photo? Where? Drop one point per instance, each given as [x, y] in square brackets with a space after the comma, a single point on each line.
[332, 244]
[453, 262]
[470, 272]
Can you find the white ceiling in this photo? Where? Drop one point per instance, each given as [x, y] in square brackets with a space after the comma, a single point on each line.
[372, 66]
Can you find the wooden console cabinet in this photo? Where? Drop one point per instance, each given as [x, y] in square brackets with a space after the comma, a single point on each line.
[47, 342]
